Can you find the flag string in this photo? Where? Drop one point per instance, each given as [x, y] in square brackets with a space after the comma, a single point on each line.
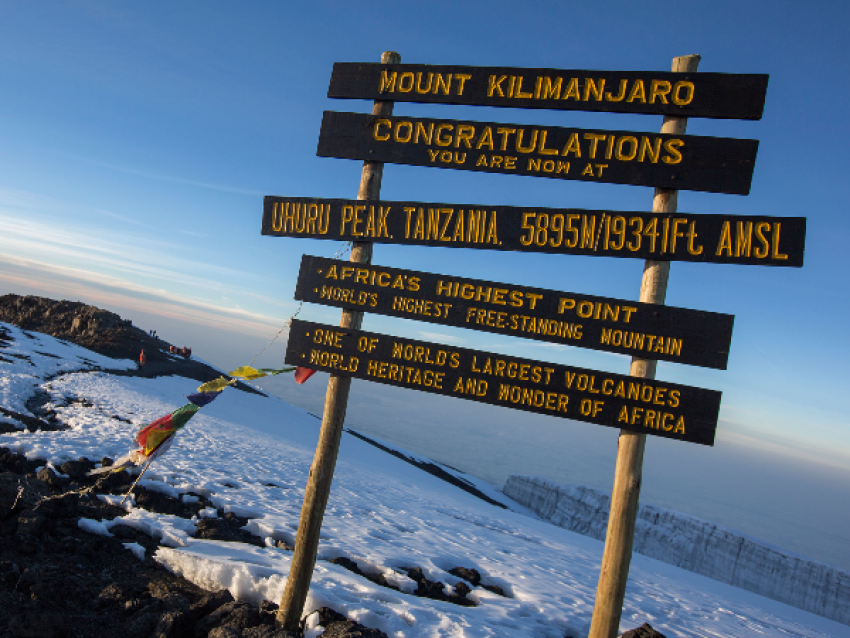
[155, 438]
[341, 251]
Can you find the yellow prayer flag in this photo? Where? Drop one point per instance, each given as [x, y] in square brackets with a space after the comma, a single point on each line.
[247, 373]
[215, 385]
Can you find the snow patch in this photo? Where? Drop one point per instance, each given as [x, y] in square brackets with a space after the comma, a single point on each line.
[94, 527]
[137, 550]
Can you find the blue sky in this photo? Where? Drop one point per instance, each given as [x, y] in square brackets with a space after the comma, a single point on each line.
[137, 142]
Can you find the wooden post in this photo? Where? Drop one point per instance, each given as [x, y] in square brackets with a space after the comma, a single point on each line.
[333, 417]
[614, 572]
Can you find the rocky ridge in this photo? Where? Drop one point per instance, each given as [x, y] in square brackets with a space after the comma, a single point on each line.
[106, 333]
[99, 330]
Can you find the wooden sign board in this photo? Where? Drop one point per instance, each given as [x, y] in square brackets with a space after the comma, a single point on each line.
[727, 239]
[640, 405]
[644, 330]
[717, 95]
[684, 162]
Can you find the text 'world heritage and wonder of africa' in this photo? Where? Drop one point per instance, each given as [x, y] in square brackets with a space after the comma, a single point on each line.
[640, 405]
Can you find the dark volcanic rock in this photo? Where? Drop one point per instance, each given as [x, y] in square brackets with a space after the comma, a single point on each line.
[17, 463]
[430, 589]
[163, 504]
[338, 626]
[30, 422]
[31, 524]
[462, 589]
[470, 575]
[350, 565]
[644, 631]
[76, 469]
[227, 528]
[266, 631]
[59, 581]
[234, 615]
[210, 602]
[496, 590]
[44, 624]
[351, 629]
[474, 577]
[11, 490]
[326, 616]
[424, 587]
[7, 427]
[48, 476]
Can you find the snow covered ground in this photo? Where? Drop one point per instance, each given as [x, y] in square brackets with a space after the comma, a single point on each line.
[251, 454]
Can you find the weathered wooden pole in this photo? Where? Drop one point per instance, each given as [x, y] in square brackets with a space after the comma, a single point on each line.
[614, 572]
[333, 417]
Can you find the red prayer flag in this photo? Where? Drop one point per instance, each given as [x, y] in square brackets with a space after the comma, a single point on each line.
[302, 374]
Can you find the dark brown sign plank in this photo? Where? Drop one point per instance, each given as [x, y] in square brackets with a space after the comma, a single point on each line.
[716, 95]
[647, 406]
[612, 325]
[728, 239]
[684, 162]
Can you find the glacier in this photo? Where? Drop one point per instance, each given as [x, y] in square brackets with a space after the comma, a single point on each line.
[696, 545]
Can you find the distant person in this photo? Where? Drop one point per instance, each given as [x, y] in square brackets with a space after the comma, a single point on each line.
[142, 360]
